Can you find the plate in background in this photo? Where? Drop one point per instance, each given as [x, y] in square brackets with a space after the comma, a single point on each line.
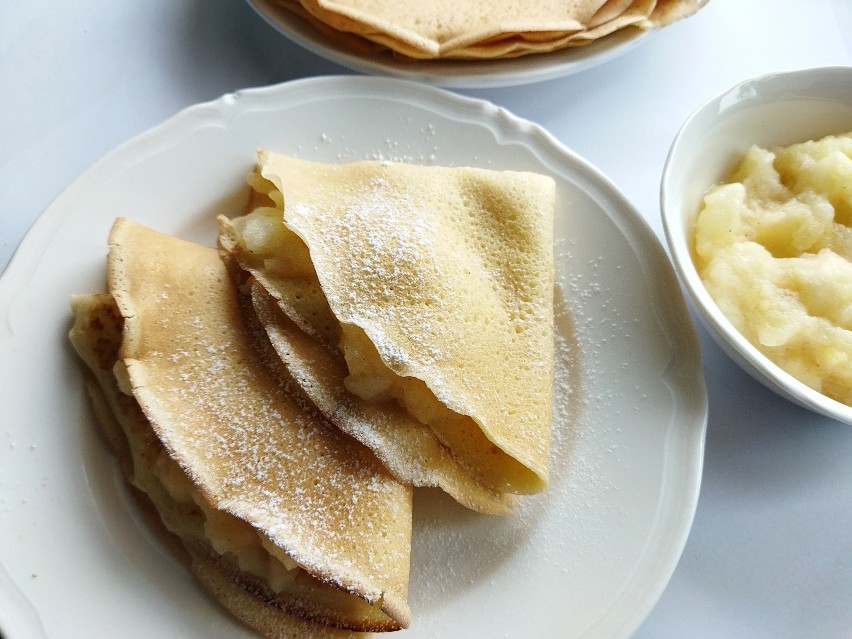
[469, 74]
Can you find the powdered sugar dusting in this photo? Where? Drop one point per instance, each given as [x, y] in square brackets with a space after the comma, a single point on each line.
[447, 274]
[479, 549]
[407, 447]
[395, 241]
[257, 454]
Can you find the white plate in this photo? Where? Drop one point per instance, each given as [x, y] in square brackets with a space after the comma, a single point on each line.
[588, 558]
[473, 74]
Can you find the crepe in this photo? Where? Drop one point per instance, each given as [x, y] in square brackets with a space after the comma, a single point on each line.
[437, 283]
[305, 338]
[481, 29]
[96, 336]
[287, 522]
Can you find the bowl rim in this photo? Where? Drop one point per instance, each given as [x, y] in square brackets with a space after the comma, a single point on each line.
[675, 222]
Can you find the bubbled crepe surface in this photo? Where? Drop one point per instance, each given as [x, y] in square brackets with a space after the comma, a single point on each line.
[96, 337]
[449, 272]
[246, 444]
[302, 330]
[401, 442]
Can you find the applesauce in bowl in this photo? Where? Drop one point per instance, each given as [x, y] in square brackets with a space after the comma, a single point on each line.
[756, 202]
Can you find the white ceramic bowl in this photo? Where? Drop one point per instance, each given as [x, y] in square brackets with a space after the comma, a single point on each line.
[776, 109]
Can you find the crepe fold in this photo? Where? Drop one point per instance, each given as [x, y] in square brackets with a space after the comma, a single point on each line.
[436, 286]
[295, 528]
[481, 29]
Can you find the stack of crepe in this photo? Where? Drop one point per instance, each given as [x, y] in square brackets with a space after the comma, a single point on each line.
[481, 29]
[363, 328]
[286, 521]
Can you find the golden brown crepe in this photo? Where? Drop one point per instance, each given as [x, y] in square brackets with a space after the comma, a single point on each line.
[305, 335]
[96, 336]
[482, 29]
[438, 283]
[408, 449]
[286, 521]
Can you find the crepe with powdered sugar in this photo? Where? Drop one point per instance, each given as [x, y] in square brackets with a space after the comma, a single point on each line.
[436, 284]
[290, 524]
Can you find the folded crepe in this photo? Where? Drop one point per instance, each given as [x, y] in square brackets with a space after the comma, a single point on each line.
[481, 29]
[305, 337]
[435, 283]
[406, 446]
[295, 528]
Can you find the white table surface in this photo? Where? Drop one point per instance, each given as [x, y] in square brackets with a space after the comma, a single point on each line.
[770, 552]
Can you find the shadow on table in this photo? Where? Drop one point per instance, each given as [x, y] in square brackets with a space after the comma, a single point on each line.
[227, 43]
